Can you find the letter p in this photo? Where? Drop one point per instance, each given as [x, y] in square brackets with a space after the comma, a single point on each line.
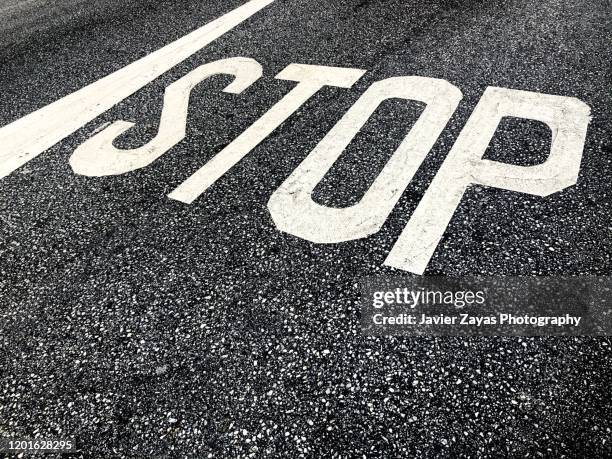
[567, 119]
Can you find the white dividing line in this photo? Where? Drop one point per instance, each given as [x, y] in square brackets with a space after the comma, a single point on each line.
[26, 138]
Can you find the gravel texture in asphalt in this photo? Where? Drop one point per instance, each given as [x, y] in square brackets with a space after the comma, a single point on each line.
[145, 327]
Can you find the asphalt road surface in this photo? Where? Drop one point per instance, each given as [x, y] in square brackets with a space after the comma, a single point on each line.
[148, 327]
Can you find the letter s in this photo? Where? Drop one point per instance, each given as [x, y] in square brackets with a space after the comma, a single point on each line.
[98, 157]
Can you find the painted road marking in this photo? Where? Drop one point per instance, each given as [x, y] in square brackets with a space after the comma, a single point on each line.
[97, 156]
[292, 207]
[310, 78]
[26, 138]
[568, 119]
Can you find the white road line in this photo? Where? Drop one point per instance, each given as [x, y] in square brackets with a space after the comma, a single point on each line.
[26, 138]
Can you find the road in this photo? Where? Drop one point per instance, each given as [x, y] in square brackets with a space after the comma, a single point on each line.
[145, 326]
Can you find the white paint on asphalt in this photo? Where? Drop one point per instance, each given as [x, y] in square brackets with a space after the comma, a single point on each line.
[292, 207]
[568, 119]
[310, 78]
[98, 156]
[24, 139]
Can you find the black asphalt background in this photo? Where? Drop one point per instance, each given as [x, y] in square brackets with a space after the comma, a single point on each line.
[145, 327]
